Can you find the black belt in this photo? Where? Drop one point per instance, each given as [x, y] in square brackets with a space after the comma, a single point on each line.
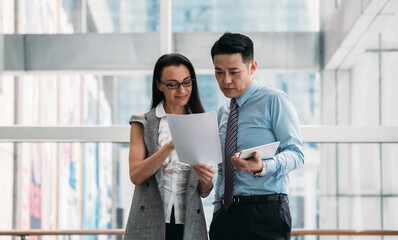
[259, 199]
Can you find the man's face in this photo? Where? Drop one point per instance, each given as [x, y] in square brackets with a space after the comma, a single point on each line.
[233, 76]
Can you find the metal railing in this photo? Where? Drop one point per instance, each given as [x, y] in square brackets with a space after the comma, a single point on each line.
[118, 232]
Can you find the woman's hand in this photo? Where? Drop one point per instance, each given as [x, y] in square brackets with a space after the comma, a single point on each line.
[169, 145]
[205, 174]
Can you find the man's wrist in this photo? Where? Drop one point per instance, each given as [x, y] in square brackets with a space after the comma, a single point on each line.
[262, 172]
[259, 169]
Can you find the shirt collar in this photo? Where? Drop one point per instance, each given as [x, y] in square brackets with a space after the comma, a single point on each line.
[159, 111]
[249, 92]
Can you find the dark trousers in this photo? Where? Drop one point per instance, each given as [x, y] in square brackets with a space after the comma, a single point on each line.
[258, 220]
[174, 231]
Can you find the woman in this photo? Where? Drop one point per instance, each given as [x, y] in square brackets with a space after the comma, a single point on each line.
[166, 202]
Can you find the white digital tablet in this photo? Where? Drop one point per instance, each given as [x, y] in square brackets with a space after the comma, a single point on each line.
[265, 151]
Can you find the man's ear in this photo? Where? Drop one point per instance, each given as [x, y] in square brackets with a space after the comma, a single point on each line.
[252, 67]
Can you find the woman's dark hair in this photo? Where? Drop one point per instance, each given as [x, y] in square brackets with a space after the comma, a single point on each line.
[230, 43]
[175, 59]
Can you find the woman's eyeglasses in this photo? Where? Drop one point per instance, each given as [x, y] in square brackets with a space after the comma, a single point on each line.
[185, 83]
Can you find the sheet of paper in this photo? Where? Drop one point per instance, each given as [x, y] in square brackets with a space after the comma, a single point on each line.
[195, 138]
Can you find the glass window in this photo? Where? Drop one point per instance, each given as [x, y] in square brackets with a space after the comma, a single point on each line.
[301, 88]
[62, 185]
[7, 90]
[6, 182]
[37, 16]
[357, 162]
[359, 213]
[108, 16]
[7, 21]
[244, 16]
[327, 213]
[327, 169]
[390, 209]
[133, 96]
[78, 16]
[389, 168]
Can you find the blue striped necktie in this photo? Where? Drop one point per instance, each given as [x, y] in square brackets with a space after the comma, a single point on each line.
[230, 149]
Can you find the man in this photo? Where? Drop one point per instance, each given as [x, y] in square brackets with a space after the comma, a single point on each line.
[251, 199]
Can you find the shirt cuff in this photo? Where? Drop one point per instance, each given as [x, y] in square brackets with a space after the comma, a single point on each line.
[271, 166]
[217, 206]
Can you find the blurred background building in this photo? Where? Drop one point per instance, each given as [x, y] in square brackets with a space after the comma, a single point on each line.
[89, 63]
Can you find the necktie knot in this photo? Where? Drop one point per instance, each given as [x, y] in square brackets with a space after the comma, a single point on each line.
[234, 104]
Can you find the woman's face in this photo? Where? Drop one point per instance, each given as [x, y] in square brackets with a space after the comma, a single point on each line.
[174, 75]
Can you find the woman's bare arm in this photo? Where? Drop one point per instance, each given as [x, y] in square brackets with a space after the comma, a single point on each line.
[141, 168]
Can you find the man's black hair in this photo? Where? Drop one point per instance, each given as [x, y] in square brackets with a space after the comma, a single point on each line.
[230, 43]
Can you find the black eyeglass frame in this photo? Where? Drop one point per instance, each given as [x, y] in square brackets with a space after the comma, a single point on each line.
[177, 85]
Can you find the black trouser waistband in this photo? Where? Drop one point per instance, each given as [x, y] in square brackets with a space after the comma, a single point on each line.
[259, 199]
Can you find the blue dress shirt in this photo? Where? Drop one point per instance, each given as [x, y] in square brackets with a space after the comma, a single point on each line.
[265, 115]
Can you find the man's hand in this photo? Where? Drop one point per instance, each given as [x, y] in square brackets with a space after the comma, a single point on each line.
[254, 164]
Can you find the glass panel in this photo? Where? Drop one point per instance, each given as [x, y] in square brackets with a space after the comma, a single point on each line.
[65, 185]
[360, 238]
[359, 213]
[364, 102]
[37, 99]
[70, 185]
[133, 96]
[328, 101]
[125, 188]
[390, 168]
[360, 176]
[6, 182]
[343, 113]
[328, 212]
[390, 209]
[71, 14]
[70, 100]
[327, 180]
[389, 89]
[107, 16]
[110, 16]
[7, 100]
[389, 35]
[244, 15]
[78, 16]
[303, 194]
[359, 168]
[61, 100]
[303, 90]
[37, 16]
[210, 95]
[7, 13]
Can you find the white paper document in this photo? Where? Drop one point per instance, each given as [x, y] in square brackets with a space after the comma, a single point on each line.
[195, 138]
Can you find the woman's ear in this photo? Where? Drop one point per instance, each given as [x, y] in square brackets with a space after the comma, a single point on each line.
[158, 86]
